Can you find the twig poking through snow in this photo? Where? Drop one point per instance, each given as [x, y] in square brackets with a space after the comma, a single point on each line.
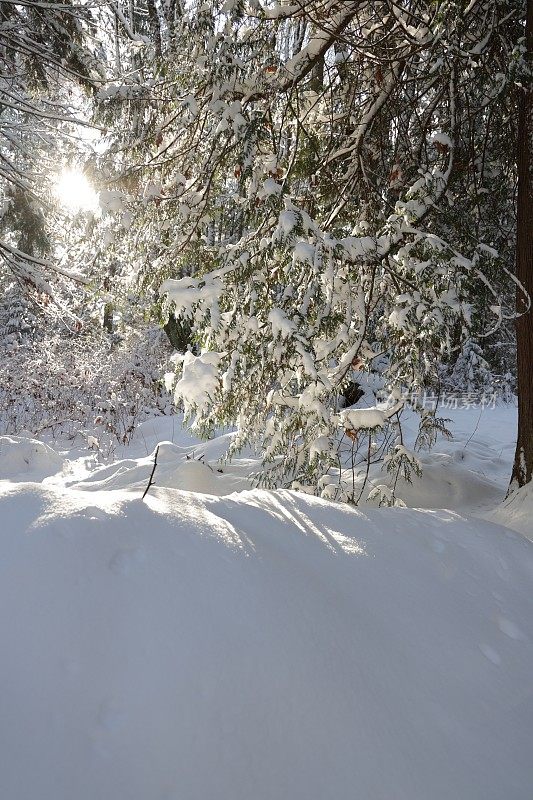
[474, 431]
[151, 479]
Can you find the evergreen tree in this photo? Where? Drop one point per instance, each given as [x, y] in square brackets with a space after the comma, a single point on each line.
[46, 57]
[471, 372]
[308, 188]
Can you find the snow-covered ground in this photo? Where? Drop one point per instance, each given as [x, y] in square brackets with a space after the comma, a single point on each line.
[220, 641]
[469, 473]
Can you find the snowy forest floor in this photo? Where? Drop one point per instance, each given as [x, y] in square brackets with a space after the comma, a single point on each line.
[221, 641]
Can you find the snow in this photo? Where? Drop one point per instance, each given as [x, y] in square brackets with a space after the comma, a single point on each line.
[28, 459]
[516, 511]
[287, 221]
[357, 247]
[263, 644]
[199, 379]
[321, 445]
[111, 201]
[281, 325]
[357, 418]
[186, 292]
[442, 139]
[303, 252]
[216, 640]
[270, 188]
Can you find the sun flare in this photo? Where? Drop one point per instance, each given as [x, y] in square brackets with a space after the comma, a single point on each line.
[74, 192]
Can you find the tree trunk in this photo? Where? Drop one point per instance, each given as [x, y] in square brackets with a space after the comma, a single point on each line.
[108, 317]
[155, 27]
[523, 464]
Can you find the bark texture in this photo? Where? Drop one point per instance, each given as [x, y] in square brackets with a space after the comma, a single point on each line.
[523, 464]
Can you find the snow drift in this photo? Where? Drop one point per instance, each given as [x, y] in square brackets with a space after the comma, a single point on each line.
[262, 645]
